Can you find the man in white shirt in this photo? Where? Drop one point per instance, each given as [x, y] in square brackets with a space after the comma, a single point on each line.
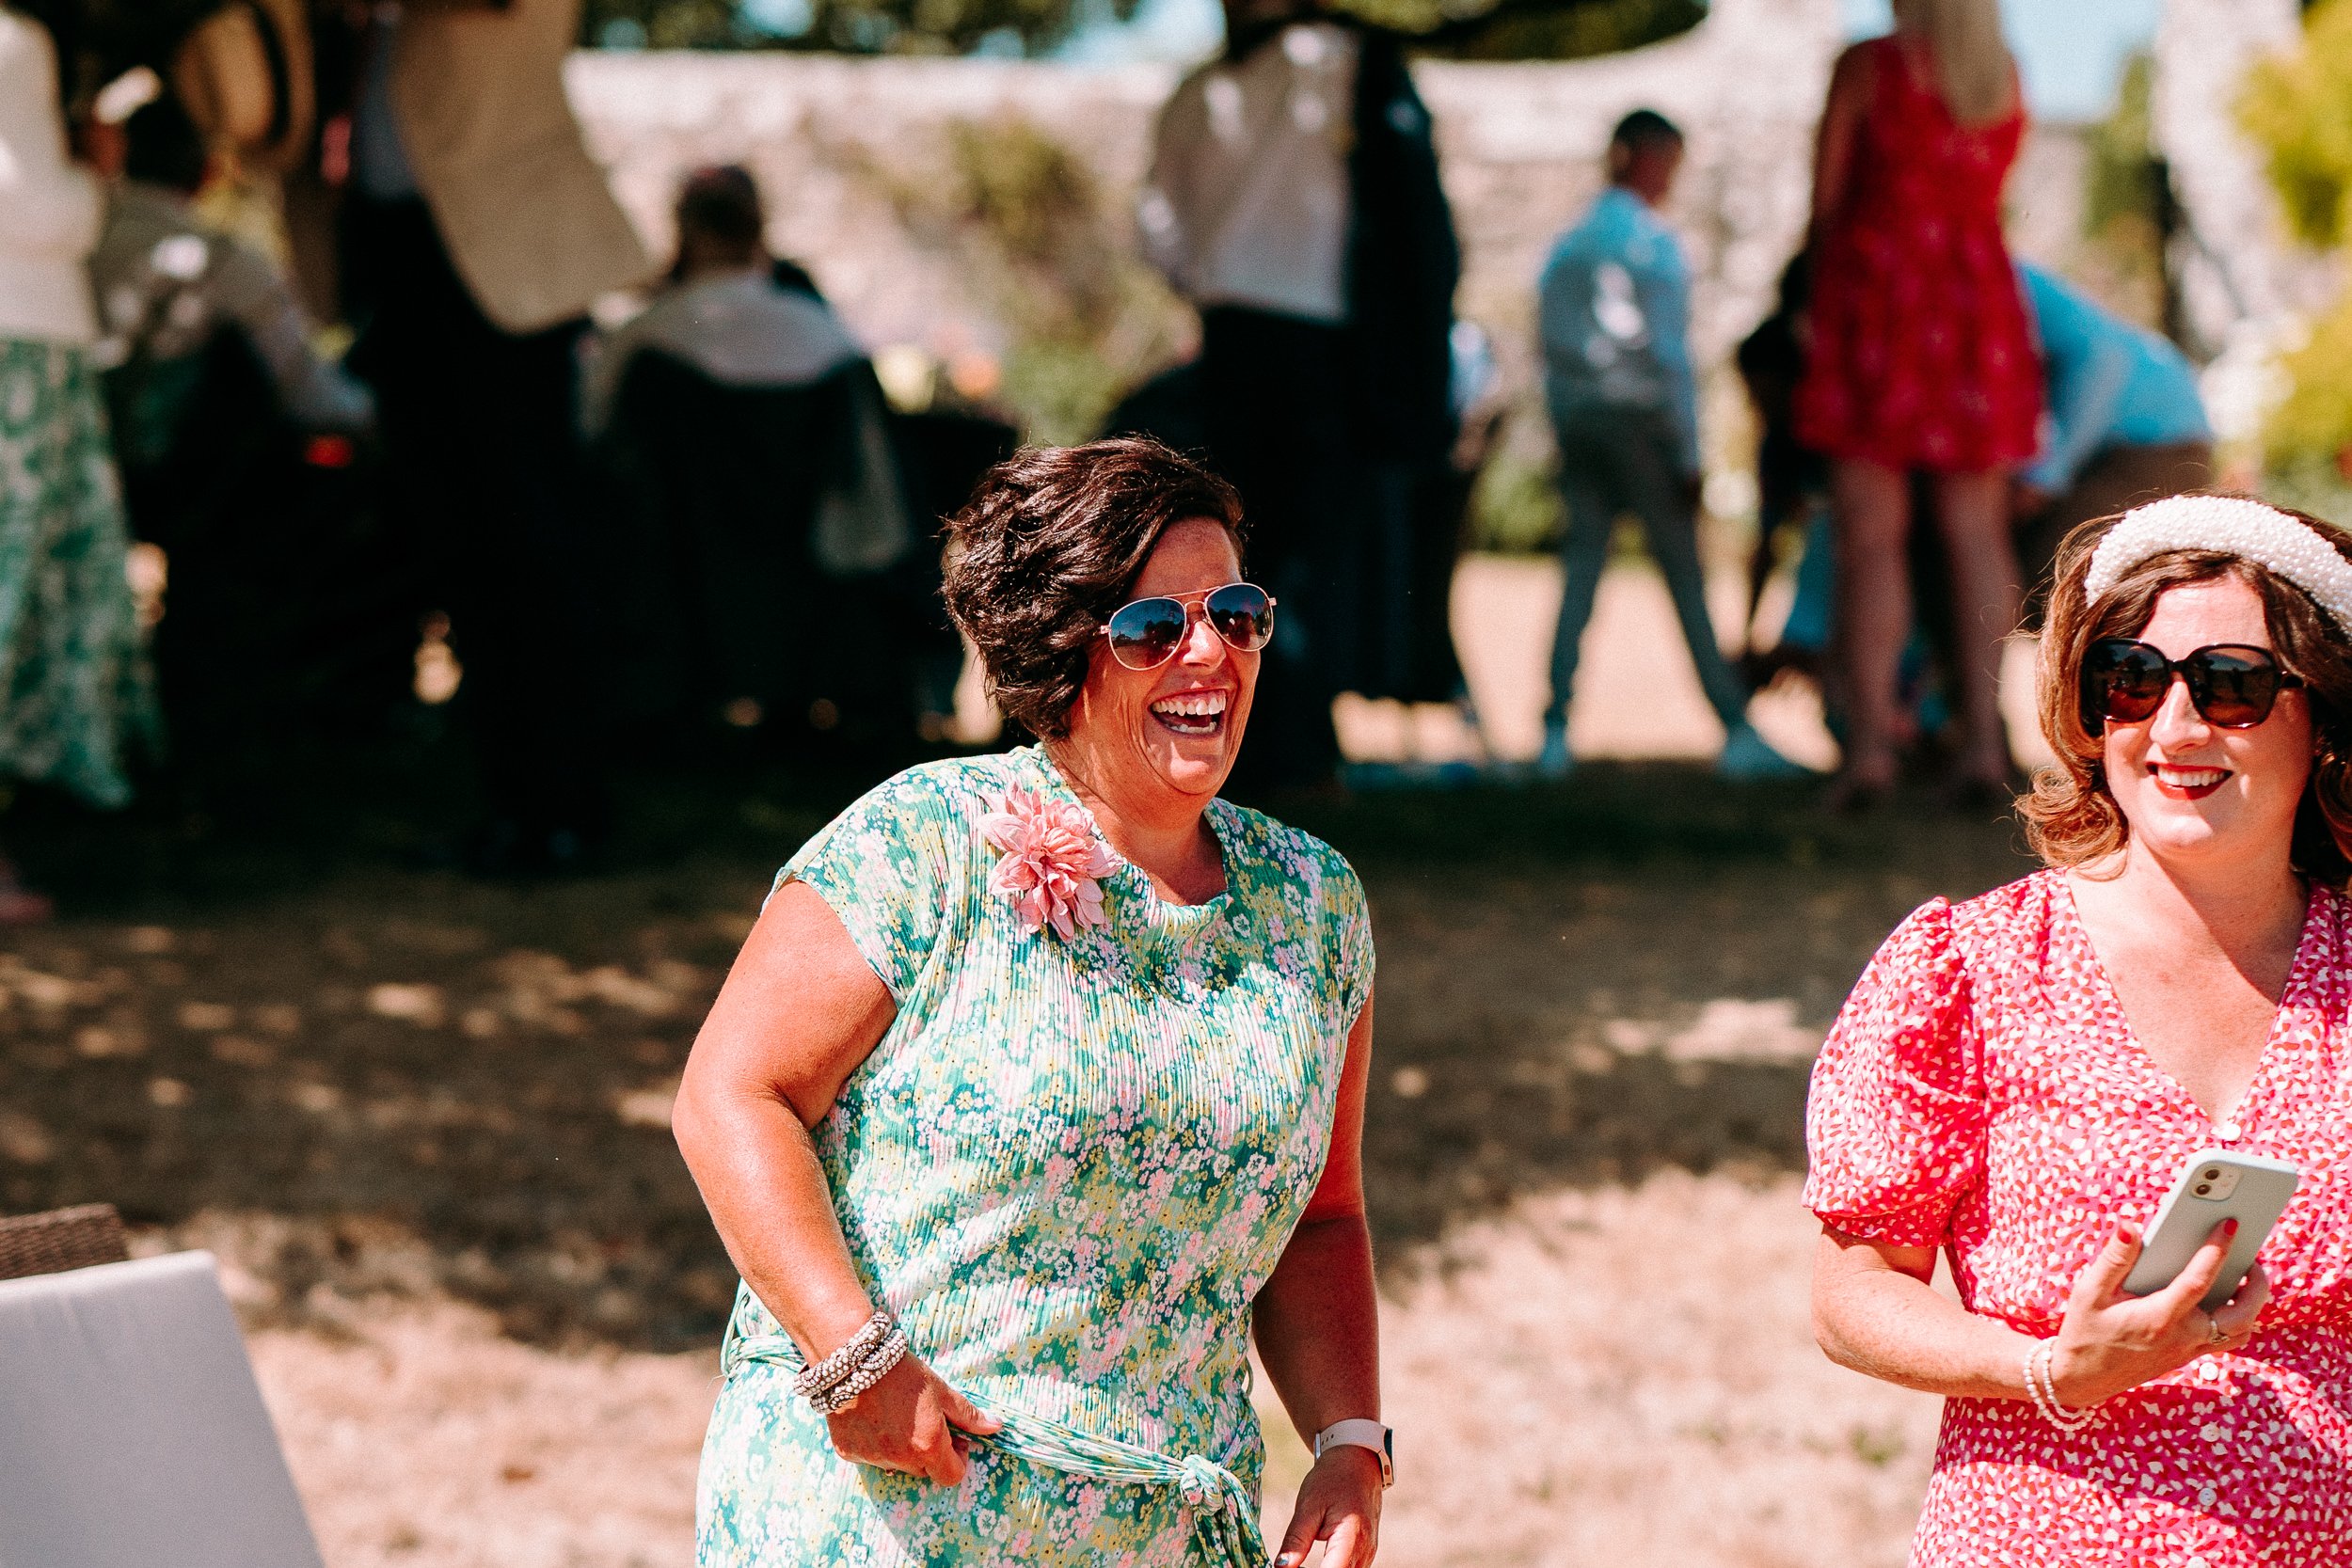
[1294, 199]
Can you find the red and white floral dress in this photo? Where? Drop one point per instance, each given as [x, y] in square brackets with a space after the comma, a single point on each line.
[1982, 1093]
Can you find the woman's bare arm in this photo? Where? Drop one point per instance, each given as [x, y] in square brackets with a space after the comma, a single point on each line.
[1849, 87]
[1875, 1310]
[1317, 1322]
[799, 1010]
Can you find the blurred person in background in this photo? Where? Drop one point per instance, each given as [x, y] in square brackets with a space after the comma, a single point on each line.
[1294, 199]
[1791, 481]
[745, 446]
[2016, 1080]
[476, 231]
[71, 689]
[724, 308]
[2128, 423]
[1613, 309]
[235, 440]
[1921, 359]
[170, 284]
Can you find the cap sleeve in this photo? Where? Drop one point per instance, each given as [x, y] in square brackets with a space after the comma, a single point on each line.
[894, 868]
[1895, 1123]
[1351, 924]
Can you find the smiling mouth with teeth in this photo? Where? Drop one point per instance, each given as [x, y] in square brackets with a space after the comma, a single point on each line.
[1192, 713]
[2190, 784]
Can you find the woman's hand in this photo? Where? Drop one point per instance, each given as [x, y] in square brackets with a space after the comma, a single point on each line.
[2111, 1342]
[911, 1421]
[1339, 1503]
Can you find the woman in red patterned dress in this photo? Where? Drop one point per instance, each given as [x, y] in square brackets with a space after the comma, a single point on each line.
[1921, 359]
[2017, 1078]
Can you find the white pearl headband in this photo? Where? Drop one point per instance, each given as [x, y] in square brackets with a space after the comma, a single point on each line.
[2229, 525]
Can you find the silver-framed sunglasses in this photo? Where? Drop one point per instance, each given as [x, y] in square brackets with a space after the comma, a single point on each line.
[1146, 633]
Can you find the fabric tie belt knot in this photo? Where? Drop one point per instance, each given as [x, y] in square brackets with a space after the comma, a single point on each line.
[1223, 1513]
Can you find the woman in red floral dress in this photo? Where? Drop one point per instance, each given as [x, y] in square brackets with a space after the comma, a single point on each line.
[2016, 1080]
[1921, 358]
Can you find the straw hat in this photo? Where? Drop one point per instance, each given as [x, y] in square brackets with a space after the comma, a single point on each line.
[244, 74]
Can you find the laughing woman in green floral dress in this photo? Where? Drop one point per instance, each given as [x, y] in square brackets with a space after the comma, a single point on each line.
[1039, 1088]
[69, 638]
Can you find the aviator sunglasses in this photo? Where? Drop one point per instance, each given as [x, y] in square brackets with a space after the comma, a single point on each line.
[1146, 633]
[2232, 685]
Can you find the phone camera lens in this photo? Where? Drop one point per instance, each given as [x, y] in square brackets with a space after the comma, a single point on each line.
[2212, 1175]
[2203, 1187]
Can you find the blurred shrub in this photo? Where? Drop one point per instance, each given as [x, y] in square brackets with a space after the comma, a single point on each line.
[1516, 509]
[2298, 108]
[848, 27]
[2124, 201]
[1476, 29]
[1046, 249]
[1536, 30]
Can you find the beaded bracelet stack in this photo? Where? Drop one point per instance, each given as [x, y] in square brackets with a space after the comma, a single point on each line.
[2043, 1387]
[833, 1384]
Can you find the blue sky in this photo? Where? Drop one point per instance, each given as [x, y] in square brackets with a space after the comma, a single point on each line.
[2072, 52]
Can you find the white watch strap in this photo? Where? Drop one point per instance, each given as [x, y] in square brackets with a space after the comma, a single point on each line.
[1360, 1434]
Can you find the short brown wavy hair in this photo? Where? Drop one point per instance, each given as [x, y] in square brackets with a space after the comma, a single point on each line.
[2072, 817]
[1050, 543]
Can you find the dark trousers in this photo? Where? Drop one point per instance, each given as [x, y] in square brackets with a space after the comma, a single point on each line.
[481, 434]
[1612, 463]
[1274, 392]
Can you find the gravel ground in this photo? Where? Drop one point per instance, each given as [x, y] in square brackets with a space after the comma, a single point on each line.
[424, 1124]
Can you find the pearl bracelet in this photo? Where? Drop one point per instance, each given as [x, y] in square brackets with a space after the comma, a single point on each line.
[872, 1369]
[2042, 1388]
[826, 1384]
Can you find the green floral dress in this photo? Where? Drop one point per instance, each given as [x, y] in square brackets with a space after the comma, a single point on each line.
[1068, 1167]
[73, 676]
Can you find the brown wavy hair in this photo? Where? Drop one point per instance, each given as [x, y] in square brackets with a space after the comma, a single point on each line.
[2072, 817]
[1050, 543]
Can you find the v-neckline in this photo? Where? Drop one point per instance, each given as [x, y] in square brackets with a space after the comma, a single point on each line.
[2234, 1118]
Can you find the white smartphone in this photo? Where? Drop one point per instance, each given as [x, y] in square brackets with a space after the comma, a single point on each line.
[2215, 1185]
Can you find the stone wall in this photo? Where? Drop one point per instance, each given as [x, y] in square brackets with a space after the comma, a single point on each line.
[1521, 147]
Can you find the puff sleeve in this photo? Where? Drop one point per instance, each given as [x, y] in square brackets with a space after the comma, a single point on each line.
[1896, 1120]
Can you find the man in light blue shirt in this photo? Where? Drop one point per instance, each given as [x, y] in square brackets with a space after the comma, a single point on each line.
[1614, 310]
[2125, 421]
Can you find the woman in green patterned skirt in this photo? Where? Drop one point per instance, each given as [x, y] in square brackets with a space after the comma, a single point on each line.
[69, 637]
[1039, 1088]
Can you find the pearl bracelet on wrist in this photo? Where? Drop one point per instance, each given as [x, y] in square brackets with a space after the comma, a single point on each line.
[2042, 1387]
[833, 1384]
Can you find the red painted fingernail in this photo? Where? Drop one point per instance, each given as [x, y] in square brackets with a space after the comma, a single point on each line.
[2229, 1227]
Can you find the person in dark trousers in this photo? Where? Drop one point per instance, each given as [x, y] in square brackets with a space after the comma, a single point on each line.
[1615, 308]
[1294, 198]
[476, 231]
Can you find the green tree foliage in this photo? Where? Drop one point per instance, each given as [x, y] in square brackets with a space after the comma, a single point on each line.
[2298, 109]
[2122, 204]
[1046, 249]
[849, 26]
[1473, 29]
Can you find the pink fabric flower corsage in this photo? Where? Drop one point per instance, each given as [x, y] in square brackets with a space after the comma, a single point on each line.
[1053, 862]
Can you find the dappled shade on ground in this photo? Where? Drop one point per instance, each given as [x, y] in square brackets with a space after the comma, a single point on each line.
[355, 1080]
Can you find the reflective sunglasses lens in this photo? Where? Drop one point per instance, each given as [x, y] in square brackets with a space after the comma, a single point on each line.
[2127, 679]
[1147, 633]
[2232, 689]
[1242, 614]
